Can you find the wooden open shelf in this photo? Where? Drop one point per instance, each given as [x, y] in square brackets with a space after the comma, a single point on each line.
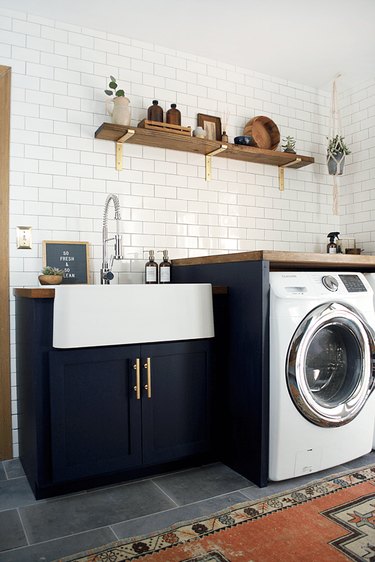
[162, 139]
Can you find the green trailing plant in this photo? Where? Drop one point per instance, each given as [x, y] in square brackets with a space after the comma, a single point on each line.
[48, 270]
[113, 88]
[337, 146]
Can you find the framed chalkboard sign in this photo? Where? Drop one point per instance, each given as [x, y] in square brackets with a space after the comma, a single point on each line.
[71, 257]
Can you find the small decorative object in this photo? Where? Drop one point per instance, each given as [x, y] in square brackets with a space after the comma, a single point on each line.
[155, 112]
[336, 152]
[199, 132]
[212, 126]
[224, 123]
[167, 127]
[289, 145]
[245, 140]
[120, 110]
[264, 132]
[173, 116]
[51, 276]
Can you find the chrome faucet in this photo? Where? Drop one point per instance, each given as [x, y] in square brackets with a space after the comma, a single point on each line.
[106, 274]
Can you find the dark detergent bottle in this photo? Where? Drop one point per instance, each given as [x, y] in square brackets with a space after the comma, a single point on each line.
[174, 115]
[155, 112]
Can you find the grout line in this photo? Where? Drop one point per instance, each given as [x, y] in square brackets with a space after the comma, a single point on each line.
[165, 493]
[60, 538]
[23, 527]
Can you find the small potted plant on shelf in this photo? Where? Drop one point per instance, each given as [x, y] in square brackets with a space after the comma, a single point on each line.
[51, 276]
[120, 110]
[336, 152]
[289, 145]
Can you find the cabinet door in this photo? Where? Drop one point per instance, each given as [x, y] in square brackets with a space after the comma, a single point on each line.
[95, 415]
[176, 416]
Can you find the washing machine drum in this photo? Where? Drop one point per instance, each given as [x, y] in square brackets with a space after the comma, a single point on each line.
[330, 365]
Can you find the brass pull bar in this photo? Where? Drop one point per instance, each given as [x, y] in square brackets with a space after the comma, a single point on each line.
[137, 387]
[147, 366]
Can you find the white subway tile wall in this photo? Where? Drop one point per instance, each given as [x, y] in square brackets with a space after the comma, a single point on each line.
[357, 186]
[60, 175]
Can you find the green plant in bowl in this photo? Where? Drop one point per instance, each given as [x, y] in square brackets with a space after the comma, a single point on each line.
[51, 276]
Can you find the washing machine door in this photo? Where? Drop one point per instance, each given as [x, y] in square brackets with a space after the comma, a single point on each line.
[330, 365]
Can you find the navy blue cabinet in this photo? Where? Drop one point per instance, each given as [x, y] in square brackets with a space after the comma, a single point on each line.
[101, 422]
[91, 416]
[95, 421]
[176, 412]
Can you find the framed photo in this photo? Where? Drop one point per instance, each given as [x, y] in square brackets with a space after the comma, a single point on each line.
[212, 126]
[71, 257]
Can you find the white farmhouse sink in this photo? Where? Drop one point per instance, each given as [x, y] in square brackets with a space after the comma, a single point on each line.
[97, 315]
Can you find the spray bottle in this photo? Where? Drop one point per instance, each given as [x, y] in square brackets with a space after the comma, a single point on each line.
[332, 246]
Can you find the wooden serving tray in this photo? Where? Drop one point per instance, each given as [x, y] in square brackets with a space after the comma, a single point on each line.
[168, 127]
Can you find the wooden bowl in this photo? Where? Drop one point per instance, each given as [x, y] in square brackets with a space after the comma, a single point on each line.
[50, 279]
[264, 132]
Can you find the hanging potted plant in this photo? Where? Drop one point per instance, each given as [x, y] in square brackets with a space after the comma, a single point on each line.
[336, 152]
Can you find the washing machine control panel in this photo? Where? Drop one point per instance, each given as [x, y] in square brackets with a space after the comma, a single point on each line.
[330, 283]
[353, 283]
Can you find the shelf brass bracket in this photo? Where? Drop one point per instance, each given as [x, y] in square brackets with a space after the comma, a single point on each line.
[282, 170]
[119, 145]
[208, 160]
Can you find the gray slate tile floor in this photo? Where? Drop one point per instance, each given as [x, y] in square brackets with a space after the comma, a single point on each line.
[45, 530]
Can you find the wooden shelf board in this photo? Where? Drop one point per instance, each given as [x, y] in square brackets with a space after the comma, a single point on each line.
[161, 139]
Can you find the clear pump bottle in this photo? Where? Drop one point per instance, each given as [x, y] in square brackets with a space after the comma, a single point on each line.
[165, 269]
[151, 269]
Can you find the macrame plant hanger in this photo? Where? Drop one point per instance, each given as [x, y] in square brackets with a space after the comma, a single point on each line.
[335, 129]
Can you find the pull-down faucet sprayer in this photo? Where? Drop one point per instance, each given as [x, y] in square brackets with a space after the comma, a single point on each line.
[106, 274]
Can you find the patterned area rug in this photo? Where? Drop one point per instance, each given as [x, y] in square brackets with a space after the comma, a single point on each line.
[326, 521]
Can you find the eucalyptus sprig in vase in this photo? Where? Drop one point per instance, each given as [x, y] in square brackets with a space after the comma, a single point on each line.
[118, 106]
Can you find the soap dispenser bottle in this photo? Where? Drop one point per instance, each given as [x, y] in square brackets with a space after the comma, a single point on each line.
[332, 246]
[165, 268]
[151, 269]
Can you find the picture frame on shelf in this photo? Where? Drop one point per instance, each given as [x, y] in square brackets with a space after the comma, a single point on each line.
[211, 124]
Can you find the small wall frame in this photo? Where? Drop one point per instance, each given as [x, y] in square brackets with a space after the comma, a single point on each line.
[71, 257]
[211, 124]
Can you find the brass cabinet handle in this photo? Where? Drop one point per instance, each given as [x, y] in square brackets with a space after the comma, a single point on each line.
[147, 366]
[137, 387]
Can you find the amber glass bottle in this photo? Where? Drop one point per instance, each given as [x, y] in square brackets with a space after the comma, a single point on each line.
[174, 115]
[165, 269]
[155, 112]
[151, 269]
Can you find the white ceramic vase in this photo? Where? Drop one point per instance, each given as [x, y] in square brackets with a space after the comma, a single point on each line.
[119, 110]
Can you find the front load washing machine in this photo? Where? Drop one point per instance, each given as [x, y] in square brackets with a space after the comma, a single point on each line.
[371, 279]
[322, 352]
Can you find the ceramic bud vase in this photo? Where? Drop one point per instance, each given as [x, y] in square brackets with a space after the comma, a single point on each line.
[119, 110]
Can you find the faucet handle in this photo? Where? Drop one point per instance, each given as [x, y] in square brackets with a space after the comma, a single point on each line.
[107, 275]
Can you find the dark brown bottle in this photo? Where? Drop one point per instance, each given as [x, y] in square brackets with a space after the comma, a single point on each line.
[165, 269]
[151, 270]
[174, 115]
[155, 112]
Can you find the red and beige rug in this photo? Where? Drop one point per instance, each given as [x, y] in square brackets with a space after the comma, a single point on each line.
[326, 521]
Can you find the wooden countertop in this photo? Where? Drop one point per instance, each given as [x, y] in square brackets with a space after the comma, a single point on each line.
[49, 293]
[289, 260]
[279, 261]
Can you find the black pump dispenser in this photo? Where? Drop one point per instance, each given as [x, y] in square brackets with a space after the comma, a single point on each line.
[332, 246]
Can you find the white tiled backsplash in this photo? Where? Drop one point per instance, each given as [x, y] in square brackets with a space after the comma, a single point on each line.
[60, 175]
